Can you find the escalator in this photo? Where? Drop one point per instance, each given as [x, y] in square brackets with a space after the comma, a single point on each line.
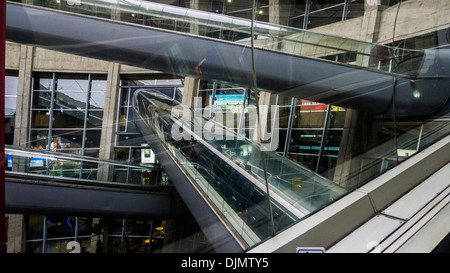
[227, 171]
[288, 61]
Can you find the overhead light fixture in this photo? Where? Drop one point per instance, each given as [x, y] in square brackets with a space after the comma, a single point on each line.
[416, 94]
[261, 12]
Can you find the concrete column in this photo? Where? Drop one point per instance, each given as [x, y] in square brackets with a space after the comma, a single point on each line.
[110, 112]
[198, 5]
[16, 236]
[107, 137]
[191, 87]
[279, 12]
[23, 107]
[354, 135]
[21, 138]
[352, 143]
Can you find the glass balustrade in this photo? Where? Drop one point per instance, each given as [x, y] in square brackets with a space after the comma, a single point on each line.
[237, 30]
[74, 169]
[229, 169]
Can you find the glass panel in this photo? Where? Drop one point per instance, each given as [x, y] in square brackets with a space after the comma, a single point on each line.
[309, 114]
[10, 106]
[39, 139]
[121, 154]
[297, 14]
[33, 246]
[91, 152]
[58, 246]
[72, 85]
[11, 85]
[93, 138]
[337, 117]
[333, 142]
[68, 119]
[309, 160]
[41, 100]
[58, 226]
[305, 141]
[325, 13]
[98, 85]
[355, 9]
[43, 83]
[68, 139]
[70, 100]
[97, 100]
[95, 119]
[35, 227]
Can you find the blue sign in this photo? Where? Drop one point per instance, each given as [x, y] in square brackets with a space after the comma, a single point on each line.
[310, 250]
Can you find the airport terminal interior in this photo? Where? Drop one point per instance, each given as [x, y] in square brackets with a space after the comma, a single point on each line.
[198, 126]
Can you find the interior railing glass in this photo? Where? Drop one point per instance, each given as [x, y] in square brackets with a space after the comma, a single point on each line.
[237, 30]
[229, 170]
[28, 163]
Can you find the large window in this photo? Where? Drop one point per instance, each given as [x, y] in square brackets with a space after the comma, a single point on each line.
[315, 136]
[56, 234]
[67, 112]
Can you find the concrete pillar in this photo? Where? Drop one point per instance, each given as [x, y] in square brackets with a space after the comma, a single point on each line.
[23, 107]
[16, 236]
[279, 12]
[107, 138]
[354, 135]
[191, 87]
[110, 112]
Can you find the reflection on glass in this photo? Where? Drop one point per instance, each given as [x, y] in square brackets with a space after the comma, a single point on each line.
[68, 119]
[70, 100]
[95, 119]
[230, 172]
[40, 119]
[72, 85]
[36, 161]
[97, 100]
[41, 100]
[93, 138]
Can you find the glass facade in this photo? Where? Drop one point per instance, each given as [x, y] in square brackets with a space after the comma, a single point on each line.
[74, 103]
[54, 234]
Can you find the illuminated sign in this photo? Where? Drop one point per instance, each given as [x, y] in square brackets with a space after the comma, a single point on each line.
[147, 155]
[310, 106]
[232, 102]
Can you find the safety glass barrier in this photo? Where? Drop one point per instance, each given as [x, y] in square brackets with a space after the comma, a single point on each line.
[43, 164]
[229, 169]
[267, 36]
